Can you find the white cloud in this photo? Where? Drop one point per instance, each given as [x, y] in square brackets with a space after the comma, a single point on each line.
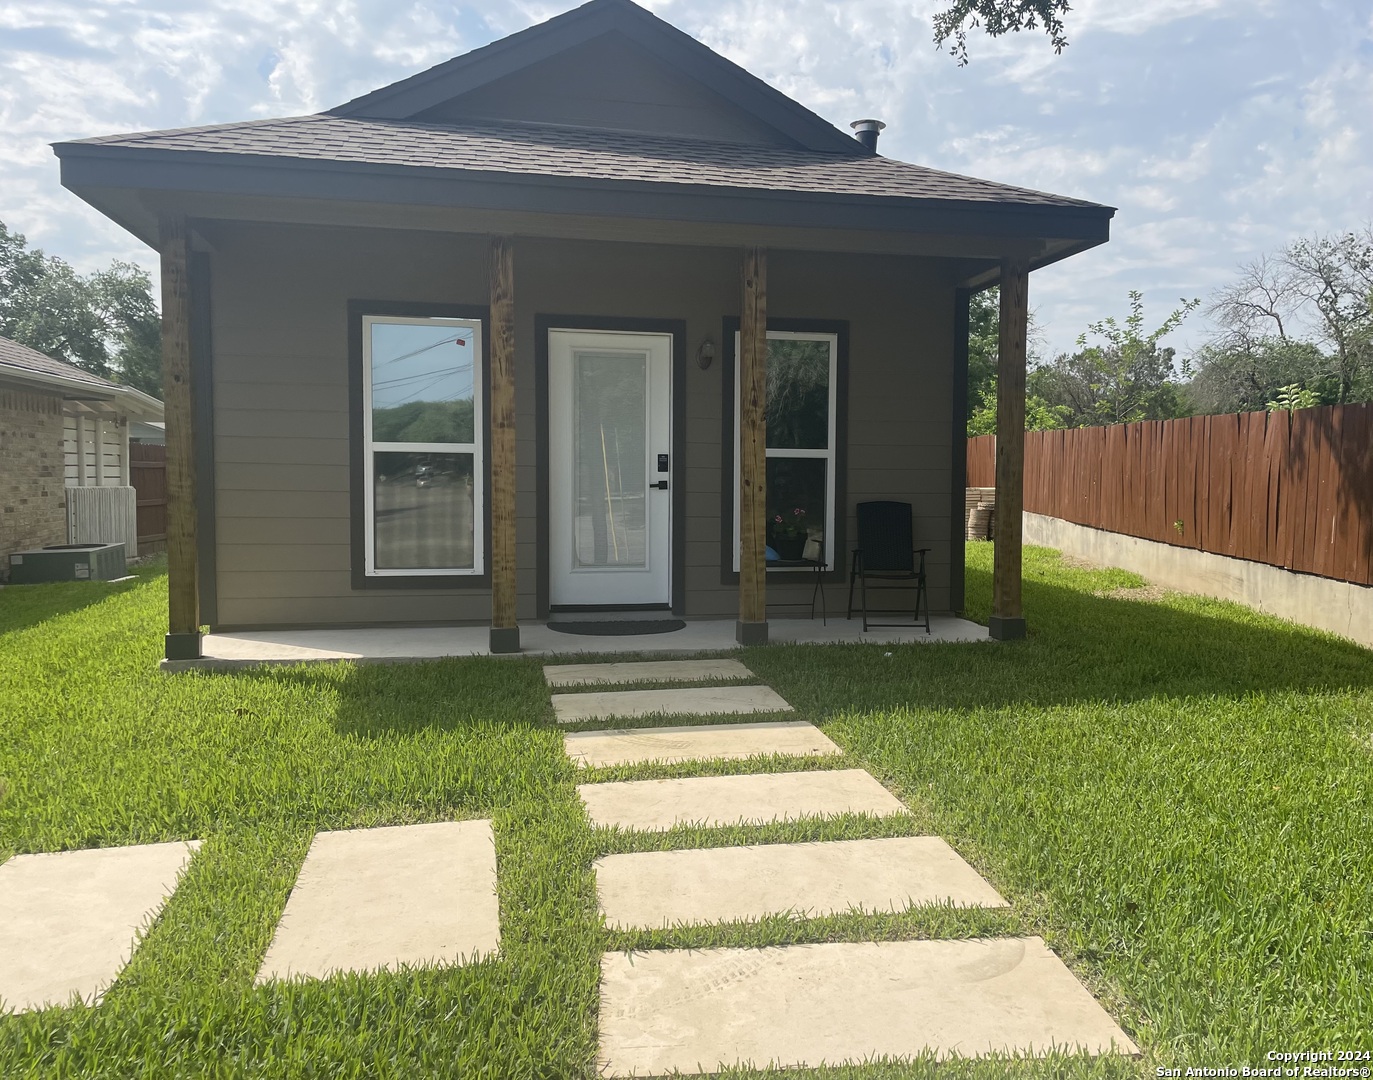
[1220, 128]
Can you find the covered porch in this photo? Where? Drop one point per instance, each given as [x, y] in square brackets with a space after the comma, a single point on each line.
[226, 651]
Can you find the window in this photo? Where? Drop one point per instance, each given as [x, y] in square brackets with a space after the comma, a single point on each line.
[422, 437]
[802, 385]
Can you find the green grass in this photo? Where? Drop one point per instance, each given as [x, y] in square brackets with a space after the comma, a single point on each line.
[1176, 795]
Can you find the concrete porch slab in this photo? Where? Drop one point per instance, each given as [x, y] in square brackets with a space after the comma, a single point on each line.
[647, 671]
[228, 650]
[660, 889]
[368, 899]
[714, 801]
[814, 1005]
[702, 742]
[69, 919]
[691, 701]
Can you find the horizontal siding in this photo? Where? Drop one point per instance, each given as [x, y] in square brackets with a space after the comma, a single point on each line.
[280, 424]
[256, 530]
[281, 397]
[111, 452]
[285, 476]
[282, 504]
[315, 397]
[292, 557]
[265, 451]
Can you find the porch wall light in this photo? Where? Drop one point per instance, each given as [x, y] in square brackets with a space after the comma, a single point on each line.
[705, 355]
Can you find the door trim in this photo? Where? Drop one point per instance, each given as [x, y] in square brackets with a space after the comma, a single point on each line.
[677, 476]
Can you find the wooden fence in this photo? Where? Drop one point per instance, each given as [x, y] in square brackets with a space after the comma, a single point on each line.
[148, 474]
[1293, 490]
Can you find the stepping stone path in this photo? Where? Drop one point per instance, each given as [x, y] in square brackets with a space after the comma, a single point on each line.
[629, 746]
[69, 920]
[698, 1010]
[369, 899]
[657, 889]
[695, 701]
[651, 805]
[659, 671]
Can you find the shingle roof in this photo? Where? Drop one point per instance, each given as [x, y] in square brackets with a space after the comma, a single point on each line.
[14, 355]
[31, 366]
[582, 154]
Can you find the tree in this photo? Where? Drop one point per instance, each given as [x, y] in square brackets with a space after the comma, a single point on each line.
[1240, 374]
[997, 17]
[1126, 377]
[1334, 276]
[1276, 316]
[984, 349]
[1039, 415]
[984, 343]
[105, 323]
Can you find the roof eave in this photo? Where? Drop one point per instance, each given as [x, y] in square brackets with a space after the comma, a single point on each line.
[94, 165]
[135, 401]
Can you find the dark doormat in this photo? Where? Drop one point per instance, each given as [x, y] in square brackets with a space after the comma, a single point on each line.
[619, 627]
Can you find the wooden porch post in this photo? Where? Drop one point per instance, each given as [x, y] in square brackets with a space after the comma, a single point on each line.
[1008, 621]
[752, 627]
[183, 587]
[505, 631]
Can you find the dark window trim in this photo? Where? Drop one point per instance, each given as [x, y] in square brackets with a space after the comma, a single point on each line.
[959, 473]
[357, 456]
[839, 328]
[677, 477]
[202, 390]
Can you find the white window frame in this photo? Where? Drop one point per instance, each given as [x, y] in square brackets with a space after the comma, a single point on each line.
[830, 453]
[475, 448]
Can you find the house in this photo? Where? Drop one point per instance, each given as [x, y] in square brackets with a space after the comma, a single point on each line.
[487, 342]
[60, 428]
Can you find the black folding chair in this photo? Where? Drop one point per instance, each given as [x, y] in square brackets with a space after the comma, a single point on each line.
[885, 556]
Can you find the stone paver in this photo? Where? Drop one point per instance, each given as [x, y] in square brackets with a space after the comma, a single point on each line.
[808, 1005]
[702, 742]
[657, 889]
[692, 701]
[735, 800]
[647, 671]
[68, 919]
[378, 898]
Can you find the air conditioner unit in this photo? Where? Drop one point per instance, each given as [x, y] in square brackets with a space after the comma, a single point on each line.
[68, 562]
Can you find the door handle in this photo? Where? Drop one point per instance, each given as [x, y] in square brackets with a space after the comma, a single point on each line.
[661, 485]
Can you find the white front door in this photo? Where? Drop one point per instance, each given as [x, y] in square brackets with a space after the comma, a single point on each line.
[609, 437]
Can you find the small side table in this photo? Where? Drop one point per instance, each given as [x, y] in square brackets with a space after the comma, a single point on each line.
[817, 568]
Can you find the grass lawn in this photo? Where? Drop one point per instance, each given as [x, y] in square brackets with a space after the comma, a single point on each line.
[1175, 794]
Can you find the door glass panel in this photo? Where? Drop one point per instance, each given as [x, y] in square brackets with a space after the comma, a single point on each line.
[423, 511]
[796, 499]
[610, 432]
[422, 383]
[798, 388]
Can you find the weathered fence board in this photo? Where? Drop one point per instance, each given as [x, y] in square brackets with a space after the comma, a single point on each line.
[148, 470]
[1293, 490]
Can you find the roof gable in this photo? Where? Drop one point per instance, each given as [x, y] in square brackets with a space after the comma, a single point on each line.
[610, 65]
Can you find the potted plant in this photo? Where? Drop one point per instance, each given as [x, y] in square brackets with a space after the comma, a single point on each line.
[788, 533]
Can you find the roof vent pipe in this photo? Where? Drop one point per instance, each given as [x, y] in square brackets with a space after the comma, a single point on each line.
[866, 132]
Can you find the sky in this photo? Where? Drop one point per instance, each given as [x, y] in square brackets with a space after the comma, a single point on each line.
[1220, 129]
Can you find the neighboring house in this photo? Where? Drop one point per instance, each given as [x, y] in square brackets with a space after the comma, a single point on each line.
[60, 428]
[465, 348]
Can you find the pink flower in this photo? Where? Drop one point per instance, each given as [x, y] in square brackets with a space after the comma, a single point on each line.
[778, 519]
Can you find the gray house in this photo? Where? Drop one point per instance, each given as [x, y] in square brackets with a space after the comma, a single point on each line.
[565, 322]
